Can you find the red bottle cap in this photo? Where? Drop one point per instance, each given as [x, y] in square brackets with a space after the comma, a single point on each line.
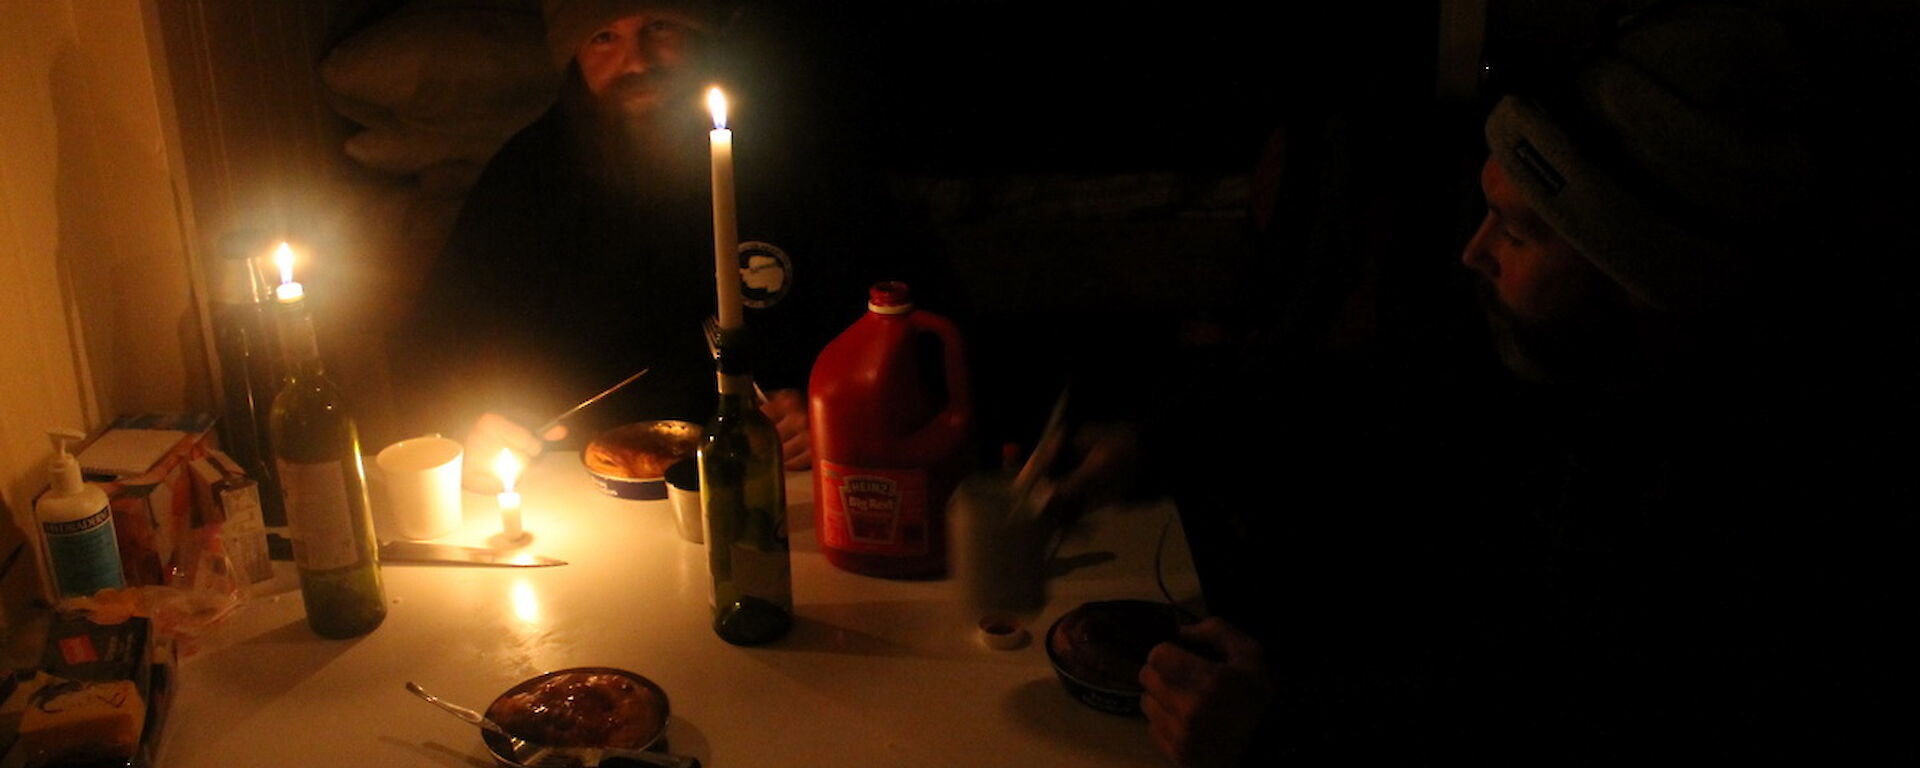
[890, 297]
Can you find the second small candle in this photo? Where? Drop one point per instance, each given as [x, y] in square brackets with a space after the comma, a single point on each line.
[508, 470]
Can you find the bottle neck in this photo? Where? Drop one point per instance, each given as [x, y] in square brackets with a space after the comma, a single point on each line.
[259, 289]
[241, 284]
[298, 344]
[736, 378]
[736, 386]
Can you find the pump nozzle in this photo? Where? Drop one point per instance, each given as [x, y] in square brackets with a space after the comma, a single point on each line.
[62, 437]
[64, 469]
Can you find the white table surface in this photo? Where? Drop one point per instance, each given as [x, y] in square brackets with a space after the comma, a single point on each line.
[874, 672]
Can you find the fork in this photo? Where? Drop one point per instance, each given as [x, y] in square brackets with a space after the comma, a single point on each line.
[457, 711]
[710, 331]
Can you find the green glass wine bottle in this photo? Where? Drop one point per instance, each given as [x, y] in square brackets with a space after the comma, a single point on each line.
[743, 496]
[250, 370]
[317, 450]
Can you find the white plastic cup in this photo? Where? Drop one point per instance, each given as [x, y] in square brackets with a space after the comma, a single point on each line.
[999, 556]
[423, 485]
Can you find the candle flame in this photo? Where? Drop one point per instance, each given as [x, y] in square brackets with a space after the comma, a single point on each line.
[717, 104]
[283, 258]
[507, 468]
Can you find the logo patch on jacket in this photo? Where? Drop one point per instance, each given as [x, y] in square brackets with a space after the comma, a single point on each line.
[766, 274]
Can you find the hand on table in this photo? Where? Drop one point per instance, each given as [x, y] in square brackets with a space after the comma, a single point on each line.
[787, 409]
[1203, 708]
[490, 433]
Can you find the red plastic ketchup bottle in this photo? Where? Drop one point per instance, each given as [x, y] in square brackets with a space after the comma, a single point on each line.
[889, 443]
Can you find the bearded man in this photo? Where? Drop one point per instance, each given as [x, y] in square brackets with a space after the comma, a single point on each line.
[584, 251]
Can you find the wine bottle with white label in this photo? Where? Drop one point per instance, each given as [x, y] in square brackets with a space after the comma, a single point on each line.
[317, 449]
[743, 496]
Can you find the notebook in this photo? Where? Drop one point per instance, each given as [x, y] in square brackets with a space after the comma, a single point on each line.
[127, 452]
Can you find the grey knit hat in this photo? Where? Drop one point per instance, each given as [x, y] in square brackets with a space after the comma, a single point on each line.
[1672, 156]
[570, 22]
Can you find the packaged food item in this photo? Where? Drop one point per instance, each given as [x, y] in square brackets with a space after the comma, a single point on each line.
[75, 722]
[230, 499]
[153, 510]
[143, 527]
[79, 649]
[94, 699]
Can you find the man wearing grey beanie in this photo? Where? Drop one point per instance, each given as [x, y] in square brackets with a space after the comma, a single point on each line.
[1676, 534]
[1666, 177]
[1674, 247]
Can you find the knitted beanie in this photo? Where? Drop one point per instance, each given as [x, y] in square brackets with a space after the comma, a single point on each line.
[1673, 157]
[571, 22]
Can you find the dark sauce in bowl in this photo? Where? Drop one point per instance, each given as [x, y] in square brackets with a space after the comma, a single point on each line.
[581, 707]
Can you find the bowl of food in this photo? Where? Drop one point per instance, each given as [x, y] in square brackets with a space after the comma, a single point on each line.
[1097, 650]
[630, 461]
[579, 707]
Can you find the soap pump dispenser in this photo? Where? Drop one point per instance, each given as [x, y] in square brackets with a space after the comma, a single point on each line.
[76, 525]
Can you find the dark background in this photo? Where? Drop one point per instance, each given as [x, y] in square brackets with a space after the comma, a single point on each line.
[984, 86]
[1076, 174]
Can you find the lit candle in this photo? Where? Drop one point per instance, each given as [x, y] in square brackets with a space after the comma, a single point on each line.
[726, 235]
[289, 291]
[508, 469]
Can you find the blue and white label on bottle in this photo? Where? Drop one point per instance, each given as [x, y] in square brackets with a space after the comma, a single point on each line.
[85, 557]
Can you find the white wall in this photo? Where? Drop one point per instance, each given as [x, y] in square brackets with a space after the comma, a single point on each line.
[96, 302]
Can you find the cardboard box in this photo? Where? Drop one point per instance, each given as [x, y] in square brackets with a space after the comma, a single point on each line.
[153, 511]
[149, 521]
[228, 499]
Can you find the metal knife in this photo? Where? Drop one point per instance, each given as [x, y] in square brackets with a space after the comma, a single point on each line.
[449, 554]
[541, 430]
